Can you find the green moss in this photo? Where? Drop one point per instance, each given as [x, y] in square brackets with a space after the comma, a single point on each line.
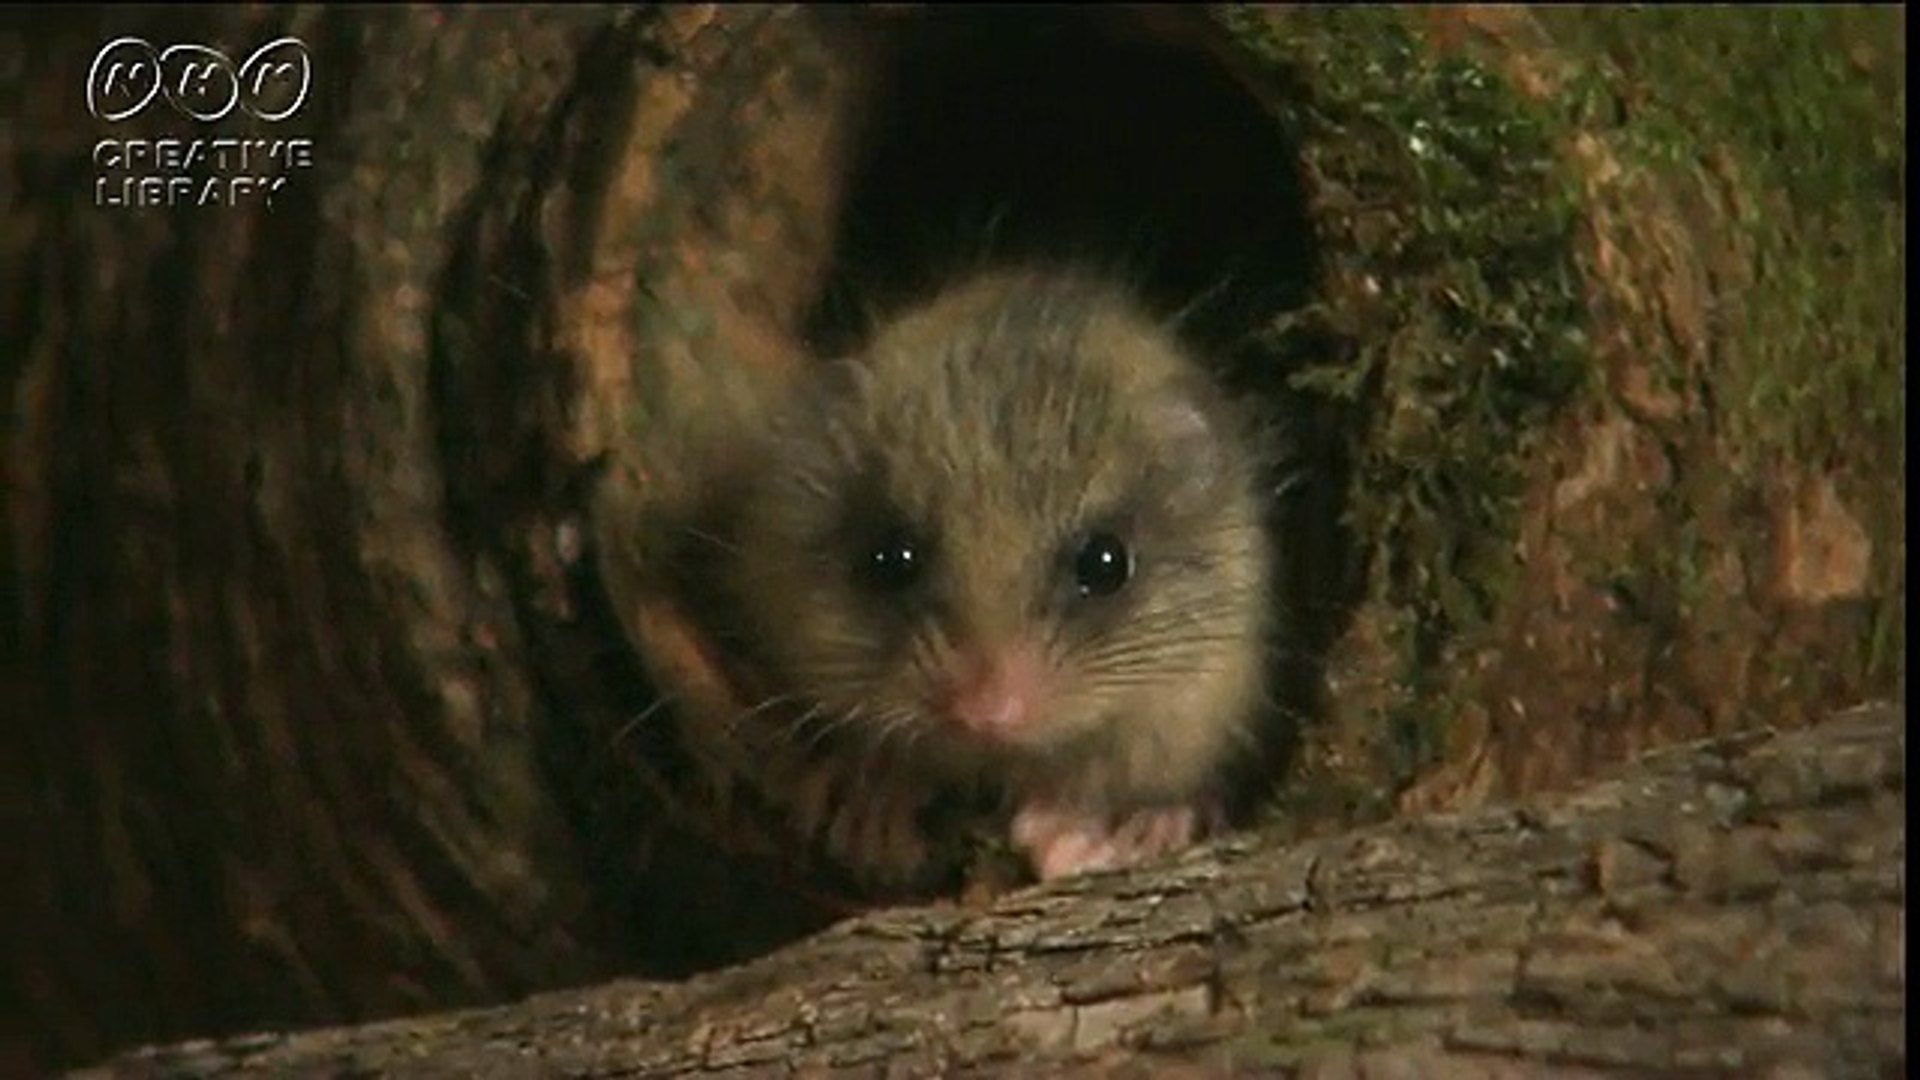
[1448, 226]
[1810, 102]
[1450, 328]
[1797, 116]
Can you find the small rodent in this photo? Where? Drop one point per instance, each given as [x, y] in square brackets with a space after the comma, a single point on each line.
[1016, 540]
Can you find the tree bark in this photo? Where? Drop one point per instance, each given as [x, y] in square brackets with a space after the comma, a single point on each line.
[1732, 908]
[311, 711]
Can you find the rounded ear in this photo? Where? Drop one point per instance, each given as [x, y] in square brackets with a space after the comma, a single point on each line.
[1188, 428]
[842, 378]
[1184, 423]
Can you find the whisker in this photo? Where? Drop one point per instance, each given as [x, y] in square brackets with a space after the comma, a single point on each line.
[897, 720]
[710, 539]
[1121, 658]
[835, 722]
[639, 718]
[763, 705]
[794, 731]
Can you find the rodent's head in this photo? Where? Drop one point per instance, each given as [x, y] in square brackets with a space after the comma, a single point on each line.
[1020, 529]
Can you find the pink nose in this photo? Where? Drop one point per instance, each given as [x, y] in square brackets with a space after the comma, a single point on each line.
[995, 696]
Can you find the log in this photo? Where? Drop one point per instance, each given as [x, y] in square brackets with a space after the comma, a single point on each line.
[1727, 908]
[1591, 322]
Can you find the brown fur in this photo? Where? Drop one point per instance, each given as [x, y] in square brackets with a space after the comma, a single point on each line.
[996, 423]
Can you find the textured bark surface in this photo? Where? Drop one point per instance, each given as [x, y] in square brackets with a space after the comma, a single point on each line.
[307, 714]
[1727, 908]
[262, 715]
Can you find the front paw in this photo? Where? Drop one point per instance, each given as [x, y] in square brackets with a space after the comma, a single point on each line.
[1060, 840]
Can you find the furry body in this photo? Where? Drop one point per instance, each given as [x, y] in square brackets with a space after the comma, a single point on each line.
[1015, 543]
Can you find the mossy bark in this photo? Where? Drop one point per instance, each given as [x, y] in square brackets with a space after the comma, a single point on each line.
[312, 711]
[1610, 279]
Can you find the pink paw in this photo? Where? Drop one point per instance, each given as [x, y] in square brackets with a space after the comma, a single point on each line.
[1061, 841]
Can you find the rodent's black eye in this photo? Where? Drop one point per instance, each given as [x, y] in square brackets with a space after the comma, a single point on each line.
[1102, 565]
[891, 564]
